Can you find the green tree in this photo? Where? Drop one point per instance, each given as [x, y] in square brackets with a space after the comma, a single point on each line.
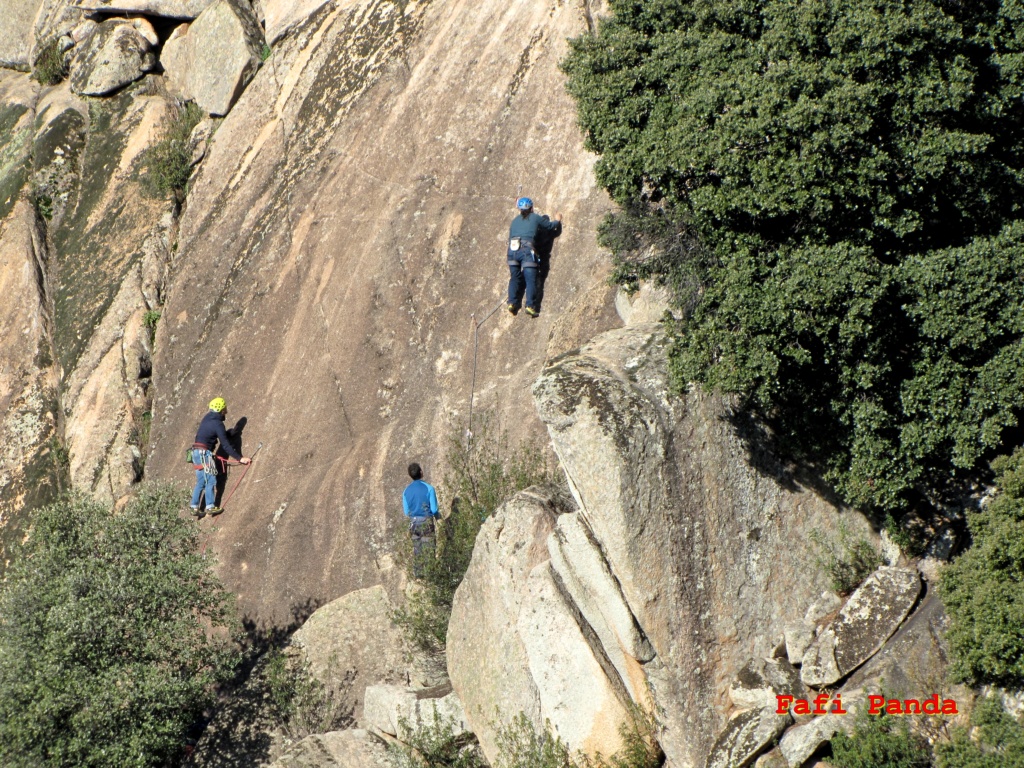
[880, 741]
[112, 635]
[997, 740]
[839, 182]
[983, 589]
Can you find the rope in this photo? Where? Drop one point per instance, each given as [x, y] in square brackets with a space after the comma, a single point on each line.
[472, 386]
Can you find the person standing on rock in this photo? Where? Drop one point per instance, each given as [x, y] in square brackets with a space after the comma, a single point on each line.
[210, 434]
[419, 502]
[523, 256]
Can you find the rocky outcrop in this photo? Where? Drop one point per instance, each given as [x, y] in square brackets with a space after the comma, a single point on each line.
[281, 16]
[873, 612]
[337, 749]
[351, 643]
[114, 55]
[800, 742]
[698, 528]
[745, 736]
[173, 9]
[396, 710]
[214, 58]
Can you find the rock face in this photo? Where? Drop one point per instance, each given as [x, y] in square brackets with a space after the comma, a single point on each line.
[283, 15]
[351, 643]
[16, 25]
[324, 182]
[216, 57]
[873, 612]
[337, 749]
[395, 709]
[802, 741]
[760, 681]
[700, 537]
[745, 737]
[115, 54]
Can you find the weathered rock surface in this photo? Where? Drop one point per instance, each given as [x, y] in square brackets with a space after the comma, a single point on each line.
[801, 741]
[114, 55]
[487, 659]
[745, 737]
[699, 537]
[216, 56]
[16, 25]
[873, 612]
[324, 183]
[798, 637]
[174, 9]
[761, 680]
[396, 710]
[337, 749]
[281, 16]
[351, 643]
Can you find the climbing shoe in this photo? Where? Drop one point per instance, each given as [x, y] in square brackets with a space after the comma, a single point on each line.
[513, 309]
[197, 512]
[532, 312]
[214, 511]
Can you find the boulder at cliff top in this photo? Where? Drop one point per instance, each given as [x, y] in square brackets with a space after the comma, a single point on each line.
[216, 57]
[174, 9]
[873, 612]
[16, 25]
[115, 54]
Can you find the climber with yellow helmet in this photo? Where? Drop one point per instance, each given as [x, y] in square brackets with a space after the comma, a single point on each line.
[211, 432]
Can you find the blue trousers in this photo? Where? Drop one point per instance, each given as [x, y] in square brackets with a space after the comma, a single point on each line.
[517, 276]
[205, 481]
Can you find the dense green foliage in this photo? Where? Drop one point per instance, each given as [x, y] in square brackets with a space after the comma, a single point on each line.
[997, 741]
[169, 161]
[879, 742]
[983, 589]
[436, 744]
[837, 184]
[480, 478]
[106, 656]
[51, 66]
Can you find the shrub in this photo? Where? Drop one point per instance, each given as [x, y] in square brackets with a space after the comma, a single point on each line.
[983, 589]
[111, 635]
[997, 740]
[879, 742]
[168, 163]
[436, 744]
[850, 171]
[479, 480]
[150, 320]
[51, 65]
[302, 704]
[847, 561]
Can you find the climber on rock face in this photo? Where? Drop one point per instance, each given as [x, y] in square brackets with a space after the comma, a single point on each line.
[211, 433]
[524, 258]
[419, 502]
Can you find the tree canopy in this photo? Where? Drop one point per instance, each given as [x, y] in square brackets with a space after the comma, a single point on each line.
[108, 636]
[848, 174]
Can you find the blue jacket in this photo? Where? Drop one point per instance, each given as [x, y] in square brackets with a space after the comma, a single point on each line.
[211, 430]
[419, 500]
[527, 226]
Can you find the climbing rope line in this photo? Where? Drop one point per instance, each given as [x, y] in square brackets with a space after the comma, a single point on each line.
[472, 386]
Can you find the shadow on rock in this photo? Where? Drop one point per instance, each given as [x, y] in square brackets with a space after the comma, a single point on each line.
[248, 719]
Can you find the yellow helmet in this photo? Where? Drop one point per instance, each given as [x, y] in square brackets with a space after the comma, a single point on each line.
[218, 404]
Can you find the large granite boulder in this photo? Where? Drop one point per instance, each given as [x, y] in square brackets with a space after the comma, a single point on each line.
[215, 57]
[351, 643]
[394, 709]
[746, 736]
[760, 681]
[515, 642]
[114, 55]
[16, 32]
[173, 9]
[703, 530]
[874, 611]
[801, 741]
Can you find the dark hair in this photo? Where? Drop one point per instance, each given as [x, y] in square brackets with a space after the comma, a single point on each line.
[415, 472]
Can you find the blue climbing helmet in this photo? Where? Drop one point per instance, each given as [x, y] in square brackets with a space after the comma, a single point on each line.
[524, 203]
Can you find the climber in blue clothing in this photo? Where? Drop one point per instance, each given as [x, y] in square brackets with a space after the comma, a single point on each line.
[523, 255]
[211, 432]
[419, 502]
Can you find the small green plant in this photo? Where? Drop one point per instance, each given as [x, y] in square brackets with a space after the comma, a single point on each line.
[436, 744]
[910, 542]
[983, 590]
[44, 205]
[51, 65]
[301, 703]
[265, 52]
[481, 477]
[60, 453]
[847, 561]
[150, 320]
[879, 741]
[996, 740]
[168, 163]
